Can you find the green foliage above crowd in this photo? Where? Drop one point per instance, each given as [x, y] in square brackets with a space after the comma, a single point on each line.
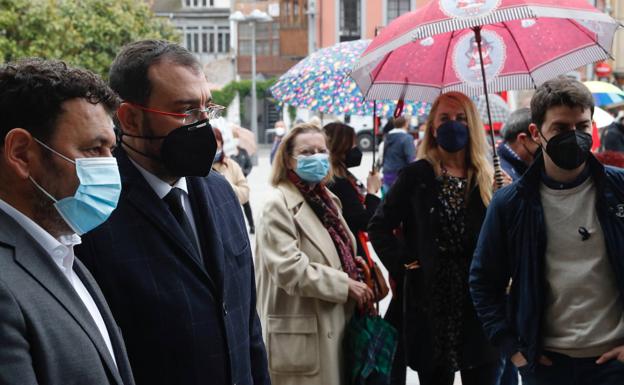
[85, 33]
[225, 95]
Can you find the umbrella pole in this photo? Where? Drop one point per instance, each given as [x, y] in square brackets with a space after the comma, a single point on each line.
[498, 172]
[374, 134]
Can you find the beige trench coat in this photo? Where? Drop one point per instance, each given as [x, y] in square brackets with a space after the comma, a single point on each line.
[302, 292]
[234, 174]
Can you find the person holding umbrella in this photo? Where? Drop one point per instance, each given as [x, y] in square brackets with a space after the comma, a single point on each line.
[438, 204]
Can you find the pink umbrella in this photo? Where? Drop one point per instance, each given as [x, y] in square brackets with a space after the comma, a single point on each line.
[441, 16]
[481, 46]
[517, 54]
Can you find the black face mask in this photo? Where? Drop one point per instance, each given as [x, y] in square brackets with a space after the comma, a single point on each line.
[186, 151]
[353, 157]
[452, 136]
[569, 149]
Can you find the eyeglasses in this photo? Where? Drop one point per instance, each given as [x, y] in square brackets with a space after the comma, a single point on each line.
[212, 111]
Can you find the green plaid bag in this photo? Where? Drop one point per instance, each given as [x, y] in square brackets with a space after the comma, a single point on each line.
[369, 347]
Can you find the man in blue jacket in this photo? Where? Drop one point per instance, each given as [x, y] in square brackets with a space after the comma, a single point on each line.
[398, 152]
[174, 260]
[518, 150]
[555, 240]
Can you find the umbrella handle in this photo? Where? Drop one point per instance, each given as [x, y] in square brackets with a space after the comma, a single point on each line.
[498, 171]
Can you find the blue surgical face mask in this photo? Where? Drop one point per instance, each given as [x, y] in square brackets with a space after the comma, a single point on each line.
[452, 136]
[96, 196]
[312, 168]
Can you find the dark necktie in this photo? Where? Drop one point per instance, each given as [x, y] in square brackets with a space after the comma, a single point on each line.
[174, 201]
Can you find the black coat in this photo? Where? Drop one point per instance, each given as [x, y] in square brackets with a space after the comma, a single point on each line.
[356, 214]
[183, 322]
[411, 205]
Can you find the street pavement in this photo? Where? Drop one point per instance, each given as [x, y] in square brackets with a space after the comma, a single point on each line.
[260, 187]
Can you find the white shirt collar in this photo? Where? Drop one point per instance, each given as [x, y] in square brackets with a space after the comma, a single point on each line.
[397, 131]
[61, 249]
[160, 187]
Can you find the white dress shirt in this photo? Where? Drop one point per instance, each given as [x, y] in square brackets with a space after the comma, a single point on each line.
[62, 252]
[162, 188]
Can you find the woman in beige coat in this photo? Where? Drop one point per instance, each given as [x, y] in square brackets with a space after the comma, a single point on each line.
[305, 270]
[227, 167]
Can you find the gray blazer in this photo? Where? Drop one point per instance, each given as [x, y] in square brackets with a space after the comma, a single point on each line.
[47, 335]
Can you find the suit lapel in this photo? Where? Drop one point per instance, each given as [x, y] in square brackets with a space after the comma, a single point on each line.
[124, 370]
[41, 267]
[140, 194]
[212, 246]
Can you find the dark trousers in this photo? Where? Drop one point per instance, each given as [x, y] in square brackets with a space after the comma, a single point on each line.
[480, 375]
[566, 370]
[249, 215]
[507, 373]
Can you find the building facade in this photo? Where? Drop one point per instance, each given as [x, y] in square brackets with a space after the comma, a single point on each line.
[205, 30]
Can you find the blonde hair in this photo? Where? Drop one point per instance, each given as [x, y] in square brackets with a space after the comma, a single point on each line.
[480, 170]
[284, 152]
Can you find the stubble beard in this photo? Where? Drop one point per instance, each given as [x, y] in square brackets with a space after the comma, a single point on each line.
[45, 213]
[158, 168]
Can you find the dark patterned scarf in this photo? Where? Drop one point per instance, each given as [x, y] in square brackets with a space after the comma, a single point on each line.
[320, 202]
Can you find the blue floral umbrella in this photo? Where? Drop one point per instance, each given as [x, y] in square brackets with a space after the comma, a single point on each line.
[321, 82]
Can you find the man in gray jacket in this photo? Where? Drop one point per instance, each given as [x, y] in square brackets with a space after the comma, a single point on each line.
[57, 181]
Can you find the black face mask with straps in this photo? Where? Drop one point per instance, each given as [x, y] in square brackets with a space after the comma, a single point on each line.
[186, 151]
[569, 149]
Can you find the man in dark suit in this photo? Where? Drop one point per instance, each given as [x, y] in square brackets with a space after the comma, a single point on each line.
[58, 179]
[174, 259]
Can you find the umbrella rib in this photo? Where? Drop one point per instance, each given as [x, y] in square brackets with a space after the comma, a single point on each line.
[380, 65]
[526, 65]
[597, 40]
[446, 54]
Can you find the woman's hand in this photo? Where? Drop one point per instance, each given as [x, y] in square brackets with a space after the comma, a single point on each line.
[360, 292]
[373, 182]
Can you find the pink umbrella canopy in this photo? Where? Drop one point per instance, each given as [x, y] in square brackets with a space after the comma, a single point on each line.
[439, 16]
[517, 54]
[524, 43]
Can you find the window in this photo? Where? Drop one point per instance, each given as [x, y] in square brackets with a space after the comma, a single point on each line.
[192, 39]
[197, 3]
[350, 24]
[267, 39]
[397, 7]
[293, 13]
[210, 39]
[223, 38]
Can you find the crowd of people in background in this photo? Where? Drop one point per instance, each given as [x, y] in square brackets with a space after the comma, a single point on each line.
[127, 260]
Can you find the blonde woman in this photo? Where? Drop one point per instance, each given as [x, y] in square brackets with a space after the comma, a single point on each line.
[439, 203]
[306, 275]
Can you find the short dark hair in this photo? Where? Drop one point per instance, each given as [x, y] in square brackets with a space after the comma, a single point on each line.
[33, 90]
[517, 123]
[400, 122]
[128, 73]
[561, 91]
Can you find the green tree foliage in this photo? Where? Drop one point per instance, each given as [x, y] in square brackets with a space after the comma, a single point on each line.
[225, 95]
[85, 33]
